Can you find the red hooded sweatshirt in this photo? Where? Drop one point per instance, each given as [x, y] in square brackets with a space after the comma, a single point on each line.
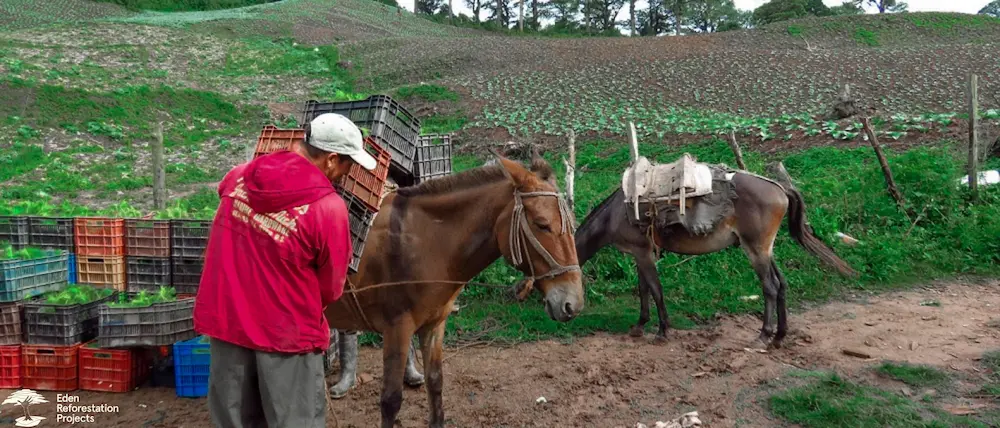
[276, 257]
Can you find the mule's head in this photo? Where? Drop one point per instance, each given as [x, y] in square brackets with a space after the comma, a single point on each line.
[535, 233]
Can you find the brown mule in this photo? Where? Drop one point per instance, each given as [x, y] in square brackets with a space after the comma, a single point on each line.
[449, 229]
[756, 216]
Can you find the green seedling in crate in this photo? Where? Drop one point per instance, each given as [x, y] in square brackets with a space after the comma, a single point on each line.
[9, 253]
[145, 298]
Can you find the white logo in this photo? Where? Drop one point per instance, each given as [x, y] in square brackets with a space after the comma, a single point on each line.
[25, 398]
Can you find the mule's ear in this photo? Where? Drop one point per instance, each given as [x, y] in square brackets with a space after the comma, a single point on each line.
[540, 167]
[514, 171]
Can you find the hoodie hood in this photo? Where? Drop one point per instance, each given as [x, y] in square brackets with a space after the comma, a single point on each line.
[283, 180]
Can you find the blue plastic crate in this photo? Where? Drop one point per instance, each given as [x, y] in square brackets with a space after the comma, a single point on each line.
[71, 265]
[191, 367]
[21, 279]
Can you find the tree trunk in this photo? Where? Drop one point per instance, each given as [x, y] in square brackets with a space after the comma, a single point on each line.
[534, 15]
[451, 9]
[631, 14]
[500, 13]
[520, 16]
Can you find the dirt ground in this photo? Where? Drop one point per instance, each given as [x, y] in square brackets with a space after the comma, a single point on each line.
[614, 380]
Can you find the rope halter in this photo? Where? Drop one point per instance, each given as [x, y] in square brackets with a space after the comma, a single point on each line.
[521, 235]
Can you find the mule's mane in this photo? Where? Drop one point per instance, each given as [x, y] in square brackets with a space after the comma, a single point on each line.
[452, 183]
[597, 210]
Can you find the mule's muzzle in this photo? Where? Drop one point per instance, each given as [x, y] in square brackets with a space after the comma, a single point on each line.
[562, 306]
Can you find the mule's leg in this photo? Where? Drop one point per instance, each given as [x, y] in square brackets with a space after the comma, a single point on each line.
[762, 265]
[647, 272]
[638, 329]
[348, 364]
[396, 342]
[782, 308]
[412, 376]
[431, 344]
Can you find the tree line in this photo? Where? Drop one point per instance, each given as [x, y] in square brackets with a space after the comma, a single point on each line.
[659, 17]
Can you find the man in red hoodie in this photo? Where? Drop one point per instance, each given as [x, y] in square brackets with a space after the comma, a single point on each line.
[277, 256]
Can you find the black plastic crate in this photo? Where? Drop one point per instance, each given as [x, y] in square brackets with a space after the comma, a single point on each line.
[189, 238]
[433, 157]
[147, 273]
[10, 324]
[160, 324]
[360, 219]
[393, 127]
[61, 325]
[14, 231]
[51, 232]
[185, 273]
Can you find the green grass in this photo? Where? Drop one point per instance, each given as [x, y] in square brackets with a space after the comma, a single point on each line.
[442, 124]
[183, 5]
[991, 361]
[914, 375]
[830, 401]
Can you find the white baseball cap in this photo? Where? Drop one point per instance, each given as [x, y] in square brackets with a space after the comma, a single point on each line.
[334, 133]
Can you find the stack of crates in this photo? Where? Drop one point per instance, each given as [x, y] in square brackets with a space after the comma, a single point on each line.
[188, 240]
[147, 254]
[391, 125]
[100, 251]
[392, 140]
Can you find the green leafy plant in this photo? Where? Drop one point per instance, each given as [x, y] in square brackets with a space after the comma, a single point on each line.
[79, 294]
[144, 298]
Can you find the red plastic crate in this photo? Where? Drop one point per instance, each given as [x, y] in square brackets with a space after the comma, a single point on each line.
[273, 139]
[112, 370]
[366, 185]
[50, 368]
[99, 236]
[10, 367]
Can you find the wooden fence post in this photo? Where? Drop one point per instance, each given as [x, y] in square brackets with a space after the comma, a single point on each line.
[736, 150]
[159, 170]
[571, 172]
[973, 167]
[889, 181]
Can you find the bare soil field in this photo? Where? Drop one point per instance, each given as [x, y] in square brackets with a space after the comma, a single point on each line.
[613, 380]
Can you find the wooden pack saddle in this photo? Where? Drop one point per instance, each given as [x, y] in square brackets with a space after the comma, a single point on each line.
[646, 182]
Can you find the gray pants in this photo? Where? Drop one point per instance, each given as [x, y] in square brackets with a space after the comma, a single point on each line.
[250, 389]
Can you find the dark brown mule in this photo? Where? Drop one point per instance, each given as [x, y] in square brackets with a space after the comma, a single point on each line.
[449, 229]
[753, 224]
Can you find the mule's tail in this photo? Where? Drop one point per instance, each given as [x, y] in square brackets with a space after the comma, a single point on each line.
[803, 234]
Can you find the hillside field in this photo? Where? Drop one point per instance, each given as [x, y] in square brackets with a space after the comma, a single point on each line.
[84, 84]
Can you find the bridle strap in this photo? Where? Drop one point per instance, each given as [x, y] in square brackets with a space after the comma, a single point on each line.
[520, 235]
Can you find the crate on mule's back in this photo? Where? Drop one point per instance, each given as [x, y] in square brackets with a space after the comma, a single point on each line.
[273, 139]
[393, 127]
[433, 157]
[360, 219]
[367, 186]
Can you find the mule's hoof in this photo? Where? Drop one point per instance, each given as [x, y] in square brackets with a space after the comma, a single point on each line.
[760, 343]
[660, 339]
[337, 392]
[414, 380]
[635, 331]
[775, 344]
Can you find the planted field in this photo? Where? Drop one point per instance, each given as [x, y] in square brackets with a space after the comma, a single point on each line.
[18, 14]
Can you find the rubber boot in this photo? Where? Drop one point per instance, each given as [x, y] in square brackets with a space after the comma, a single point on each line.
[412, 377]
[348, 364]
